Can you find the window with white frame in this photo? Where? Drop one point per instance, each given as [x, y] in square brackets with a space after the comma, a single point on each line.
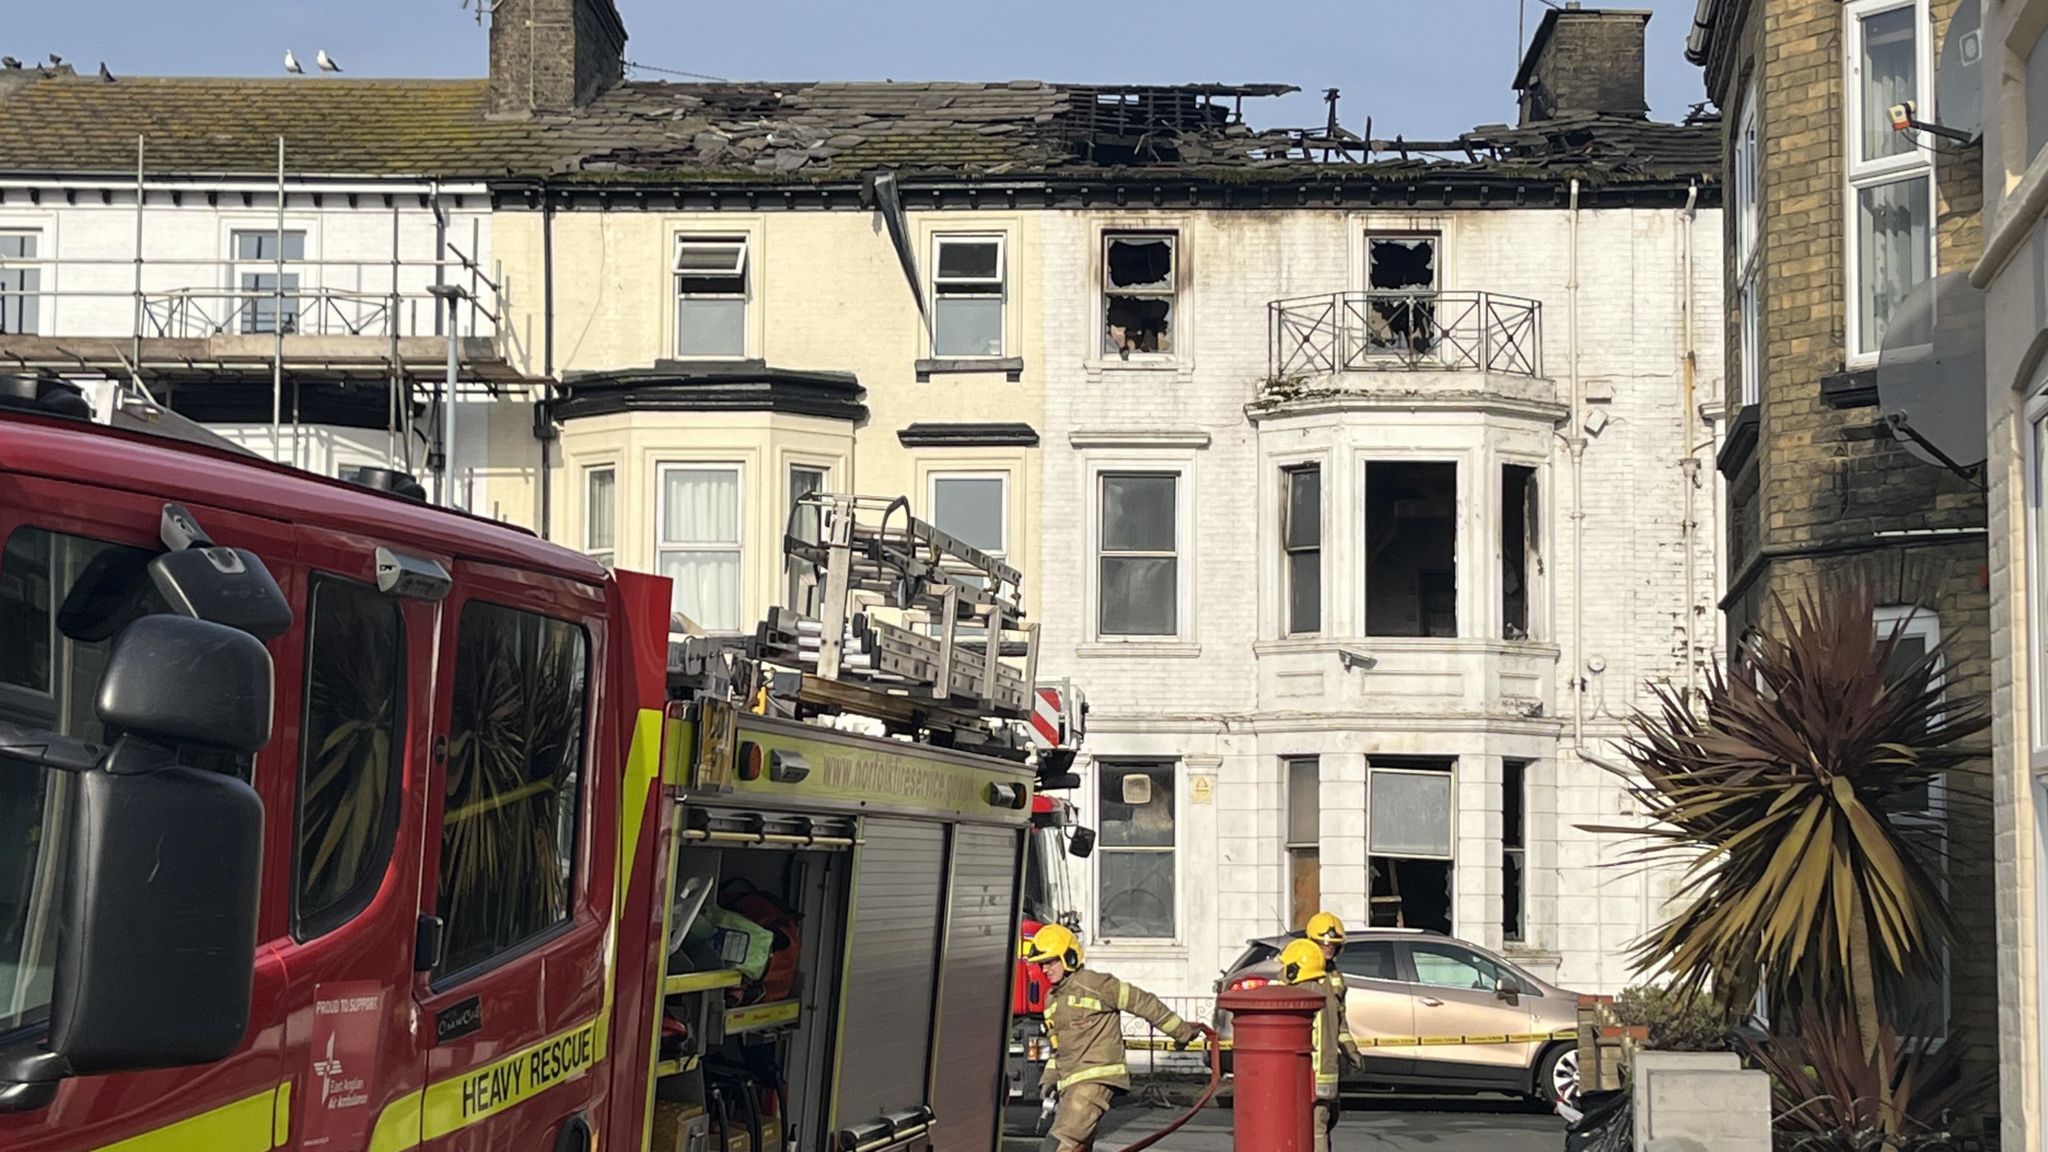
[699, 541]
[1304, 837]
[711, 296]
[1922, 813]
[20, 280]
[1891, 173]
[1134, 853]
[1746, 195]
[967, 296]
[1408, 804]
[267, 301]
[1138, 554]
[600, 513]
[1514, 840]
[1301, 548]
[805, 523]
[1138, 292]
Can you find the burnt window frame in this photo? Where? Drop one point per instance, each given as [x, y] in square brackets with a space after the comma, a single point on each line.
[1105, 348]
[351, 901]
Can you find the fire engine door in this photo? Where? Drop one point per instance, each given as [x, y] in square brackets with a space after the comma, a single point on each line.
[521, 847]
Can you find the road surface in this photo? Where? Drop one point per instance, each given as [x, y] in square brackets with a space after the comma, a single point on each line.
[1370, 1124]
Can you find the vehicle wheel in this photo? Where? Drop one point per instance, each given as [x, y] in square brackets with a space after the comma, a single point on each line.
[1557, 1075]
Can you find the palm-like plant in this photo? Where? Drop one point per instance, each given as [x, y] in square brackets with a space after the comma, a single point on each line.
[1773, 797]
[355, 685]
[515, 742]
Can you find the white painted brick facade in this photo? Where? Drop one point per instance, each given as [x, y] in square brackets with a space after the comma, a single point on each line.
[86, 236]
[1229, 697]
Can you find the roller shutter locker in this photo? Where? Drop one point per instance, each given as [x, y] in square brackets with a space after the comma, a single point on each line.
[974, 1002]
[885, 1039]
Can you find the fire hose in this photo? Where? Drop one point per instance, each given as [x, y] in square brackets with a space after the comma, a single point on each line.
[1208, 1094]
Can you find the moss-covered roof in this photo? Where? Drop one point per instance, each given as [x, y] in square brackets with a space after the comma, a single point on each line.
[59, 123]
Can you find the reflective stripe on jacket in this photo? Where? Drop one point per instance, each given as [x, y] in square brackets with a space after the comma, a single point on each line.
[1331, 1035]
[1083, 1020]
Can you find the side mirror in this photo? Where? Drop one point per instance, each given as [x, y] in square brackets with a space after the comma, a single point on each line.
[158, 953]
[1507, 989]
[1081, 843]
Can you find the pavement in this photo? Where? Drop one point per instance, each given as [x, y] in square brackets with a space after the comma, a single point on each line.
[1373, 1123]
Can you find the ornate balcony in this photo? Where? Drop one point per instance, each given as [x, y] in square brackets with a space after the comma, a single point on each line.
[1404, 347]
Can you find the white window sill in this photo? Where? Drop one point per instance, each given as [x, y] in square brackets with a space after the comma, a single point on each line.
[1140, 949]
[1136, 364]
[1141, 649]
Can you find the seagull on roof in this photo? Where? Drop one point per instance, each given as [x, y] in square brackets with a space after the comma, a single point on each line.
[104, 74]
[291, 64]
[325, 61]
[9, 63]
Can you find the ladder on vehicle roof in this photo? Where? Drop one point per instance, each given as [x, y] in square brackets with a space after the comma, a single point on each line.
[940, 671]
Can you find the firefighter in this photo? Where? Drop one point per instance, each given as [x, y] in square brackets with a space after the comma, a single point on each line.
[1325, 929]
[1302, 962]
[1083, 1020]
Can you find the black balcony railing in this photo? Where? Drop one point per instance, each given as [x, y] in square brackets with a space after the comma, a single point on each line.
[1395, 331]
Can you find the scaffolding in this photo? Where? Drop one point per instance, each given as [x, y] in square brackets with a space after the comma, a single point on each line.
[420, 329]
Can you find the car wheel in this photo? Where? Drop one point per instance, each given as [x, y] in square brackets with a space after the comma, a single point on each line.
[1557, 1075]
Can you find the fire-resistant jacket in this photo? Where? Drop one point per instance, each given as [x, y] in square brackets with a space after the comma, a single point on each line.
[1332, 1036]
[1083, 1019]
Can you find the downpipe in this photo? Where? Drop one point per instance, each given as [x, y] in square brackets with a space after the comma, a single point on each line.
[1690, 530]
[1577, 443]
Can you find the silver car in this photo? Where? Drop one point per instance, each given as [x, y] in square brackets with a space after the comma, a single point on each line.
[1409, 984]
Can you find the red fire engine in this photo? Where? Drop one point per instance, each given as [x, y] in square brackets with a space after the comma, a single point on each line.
[329, 820]
[1058, 725]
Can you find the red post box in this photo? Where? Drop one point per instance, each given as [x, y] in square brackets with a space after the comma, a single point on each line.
[1273, 1067]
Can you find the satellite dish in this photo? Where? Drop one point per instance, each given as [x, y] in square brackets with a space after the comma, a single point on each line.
[1930, 372]
[1958, 90]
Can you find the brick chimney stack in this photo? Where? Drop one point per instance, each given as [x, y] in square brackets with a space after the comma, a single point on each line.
[550, 57]
[1584, 61]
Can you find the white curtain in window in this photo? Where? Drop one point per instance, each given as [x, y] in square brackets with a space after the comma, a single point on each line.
[701, 506]
[700, 536]
[1890, 76]
[1892, 251]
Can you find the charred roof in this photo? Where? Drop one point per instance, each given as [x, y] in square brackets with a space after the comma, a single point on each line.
[791, 136]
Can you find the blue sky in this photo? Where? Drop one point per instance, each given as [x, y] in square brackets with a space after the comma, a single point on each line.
[1427, 68]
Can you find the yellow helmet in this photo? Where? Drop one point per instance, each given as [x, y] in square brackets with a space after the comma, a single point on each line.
[1302, 962]
[1325, 928]
[1053, 942]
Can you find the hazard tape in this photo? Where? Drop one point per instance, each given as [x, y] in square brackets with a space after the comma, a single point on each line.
[1398, 1041]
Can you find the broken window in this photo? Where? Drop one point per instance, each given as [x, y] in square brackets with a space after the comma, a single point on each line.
[1138, 293]
[967, 296]
[1408, 838]
[1304, 837]
[1411, 549]
[1520, 560]
[1401, 283]
[1301, 545]
[1514, 811]
[711, 296]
